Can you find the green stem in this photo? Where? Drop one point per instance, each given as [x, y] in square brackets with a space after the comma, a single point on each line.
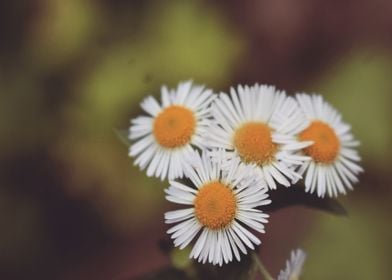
[263, 271]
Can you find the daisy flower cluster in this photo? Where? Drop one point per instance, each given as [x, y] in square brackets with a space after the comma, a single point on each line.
[223, 153]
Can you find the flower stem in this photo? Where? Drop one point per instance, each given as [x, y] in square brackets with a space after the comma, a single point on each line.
[263, 271]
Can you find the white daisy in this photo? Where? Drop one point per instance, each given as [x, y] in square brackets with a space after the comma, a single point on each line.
[221, 203]
[333, 166]
[166, 138]
[259, 125]
[294, 266]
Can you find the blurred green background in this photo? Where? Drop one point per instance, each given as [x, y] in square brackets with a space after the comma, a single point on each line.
[72, 205]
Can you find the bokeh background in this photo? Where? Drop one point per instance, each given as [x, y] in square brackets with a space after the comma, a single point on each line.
[72, 205]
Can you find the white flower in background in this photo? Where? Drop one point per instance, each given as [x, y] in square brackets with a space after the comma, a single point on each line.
[259, 125]
[220, 204]
[333, 167]
[294, 266]
[166, 138]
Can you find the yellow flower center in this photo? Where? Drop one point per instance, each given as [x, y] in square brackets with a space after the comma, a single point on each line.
[326, 143]
[215, 205]
[174, 126]
[254, 144]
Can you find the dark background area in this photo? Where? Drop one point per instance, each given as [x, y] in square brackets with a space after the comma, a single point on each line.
[72, 205]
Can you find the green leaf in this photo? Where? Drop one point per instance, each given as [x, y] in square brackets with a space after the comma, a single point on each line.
[296, 195]
[180, 258]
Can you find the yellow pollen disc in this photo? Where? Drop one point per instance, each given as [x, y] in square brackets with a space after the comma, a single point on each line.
[215, 205]
[326, 143]
[174, 126]
[254, 144]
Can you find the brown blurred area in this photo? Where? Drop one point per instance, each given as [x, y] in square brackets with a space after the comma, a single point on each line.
[293, 43]
[72, 205]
